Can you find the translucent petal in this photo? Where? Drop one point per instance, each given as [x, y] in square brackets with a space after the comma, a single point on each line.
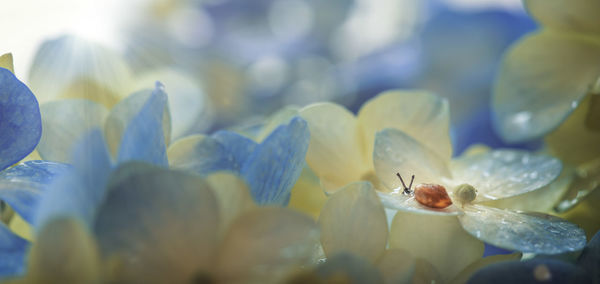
[438, 239]
[68, 66]
[79, 192]
[348, 268]
[158, 226]
[6, 62]
[266, 243]
[22, 186]
[276, 164]
[335, 153]
[408, 203]
[347, 214]
[233, 196]
[397, 152]
[144, 138]
[532, 271]
[396, 266]
[122, 114]
[239, 146]
[21, 125]
[64, 252]
[12, 253]
[568, 16]
[425, 272]
[420, 114]
[541, 81]
[526, 232]
[505, 173]
[307, 195]
[202, 155]
[65, 122]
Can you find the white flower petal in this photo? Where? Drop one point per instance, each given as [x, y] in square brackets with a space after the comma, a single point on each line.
[408, 203]
[396, 266]
[526, 232]
[505, 173]
[347, 214]
[571, 15]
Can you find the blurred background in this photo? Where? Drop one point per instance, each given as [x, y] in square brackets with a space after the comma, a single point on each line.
[230, 63]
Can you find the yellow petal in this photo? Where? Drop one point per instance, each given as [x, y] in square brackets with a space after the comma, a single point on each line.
[21, 227]
[542, 80]
[420, 114]
[440, 240]
[233, 196]
[335, 152]
[282, 116]
[307, 194]
[566, 15]
[6, 62]
[425, 273]
[347, 215]
[396, 266]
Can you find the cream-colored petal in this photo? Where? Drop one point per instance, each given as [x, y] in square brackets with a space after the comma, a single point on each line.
[64, 252]
[464, 275]
[6, 62]
[282, 116]
[335, 152]
[232, 194]
[408, 203]
[566, 15]
[307, 196]
[542, 80]
[440, 240]
[420, 114]
[353, 220]
[505, 173]
[396, 266]
[397, 152]
[426, 273]
[266, 244]
[64, 123]
[526, 232]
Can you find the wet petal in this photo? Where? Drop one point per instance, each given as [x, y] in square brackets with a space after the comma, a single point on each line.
[532, 271]
[348, 268]
[21, 125]
[145, 212]
[568, 16]
[64, 123]
[347, 214]
[6, 62]
[22, 186]
[275, 165]
[396, 266]
[440, 240]
[397, 152]
[541, 81]
[79, 192]
[202, 155]
[144, 138]
[505, 173]
[526, 232]
[422, 115]
[408, 203]
[64, 252]
[70, 67]
[266, 243]
[335, 153]
[12, 253]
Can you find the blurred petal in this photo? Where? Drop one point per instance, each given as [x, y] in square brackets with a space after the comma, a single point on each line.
[348, 268]
[569, 16]
[22, 186]
[464, 275]
[233, 196]
[12, 253]
[505, 173]
[396, 266]
[266, 243]
[347, 215]
[79, 192]
[532, 271]
[526, 232]
[6, 62]
[307, 194]
[541, 81]
[21, 125]
[64, 123]
[64, 252]
[144, 138]
[426, 273]
[275, 165]
[335, 153]
[280, 117]
[408, 203]
[159, 226]
[202, 155]
[70, 67]
[237, 145]
[397, 152]
[422, 115]
[440, 240]
[590, 258]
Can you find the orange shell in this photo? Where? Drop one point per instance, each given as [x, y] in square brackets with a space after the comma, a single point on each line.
[432, 195]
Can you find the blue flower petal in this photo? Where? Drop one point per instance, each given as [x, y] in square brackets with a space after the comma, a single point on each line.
[532, 271]
[12, 253]
[79, 192]
[202, 155]
[20, 121]
[144, 139]
[590, 258]
[239, 146]
[273, 168]
[22, 186]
